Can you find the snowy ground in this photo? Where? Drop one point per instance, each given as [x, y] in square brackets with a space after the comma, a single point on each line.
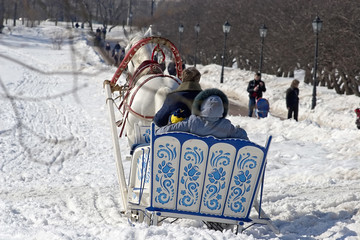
[57, 171]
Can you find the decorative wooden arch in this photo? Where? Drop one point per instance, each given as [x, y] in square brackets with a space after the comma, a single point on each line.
[143, 42]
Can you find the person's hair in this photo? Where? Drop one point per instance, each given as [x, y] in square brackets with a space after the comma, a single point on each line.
[294, 83]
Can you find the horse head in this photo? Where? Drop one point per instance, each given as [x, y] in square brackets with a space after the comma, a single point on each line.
[143, 53]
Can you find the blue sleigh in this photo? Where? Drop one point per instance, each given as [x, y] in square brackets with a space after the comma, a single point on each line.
[181, 175]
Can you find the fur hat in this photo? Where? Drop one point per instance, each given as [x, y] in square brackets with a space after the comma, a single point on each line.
[212, 107]
[190, 81]
[202, 96]
[191, 74]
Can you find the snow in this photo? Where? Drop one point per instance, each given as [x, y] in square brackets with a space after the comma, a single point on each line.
[58, 175]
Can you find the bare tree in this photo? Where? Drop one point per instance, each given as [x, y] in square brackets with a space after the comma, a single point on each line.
[2, 12]
[289, 44]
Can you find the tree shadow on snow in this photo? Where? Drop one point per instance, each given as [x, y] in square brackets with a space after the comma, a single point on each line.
[317, 225]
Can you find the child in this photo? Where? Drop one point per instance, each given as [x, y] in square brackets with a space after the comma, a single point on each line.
[209, 110]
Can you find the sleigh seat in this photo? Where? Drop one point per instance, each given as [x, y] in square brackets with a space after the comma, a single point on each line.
[182, 175]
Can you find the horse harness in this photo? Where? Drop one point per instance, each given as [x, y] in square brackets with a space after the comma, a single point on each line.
[127, 105]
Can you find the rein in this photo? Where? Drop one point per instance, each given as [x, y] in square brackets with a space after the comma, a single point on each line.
[154, 69]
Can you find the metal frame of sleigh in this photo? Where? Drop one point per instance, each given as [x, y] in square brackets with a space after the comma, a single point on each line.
[181, 175]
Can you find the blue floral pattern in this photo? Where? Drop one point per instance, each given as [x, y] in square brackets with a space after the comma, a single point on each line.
[165, 172]
[190, 195]
[242, 179]
[201, 177]
[143, 168]
[212, 197]
[196, 155]
[146, 135]
[220, 157]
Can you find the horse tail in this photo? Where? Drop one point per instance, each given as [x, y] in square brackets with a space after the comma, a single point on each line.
[160, 96]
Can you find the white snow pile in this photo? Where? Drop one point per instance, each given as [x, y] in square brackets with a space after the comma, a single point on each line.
[58, 175]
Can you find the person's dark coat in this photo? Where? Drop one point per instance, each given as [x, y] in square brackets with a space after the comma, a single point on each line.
[172, 68]
[209, 110]
[117, 47]
[175, 100]
[292, 98]
[251, 89]
[122, 54]
[107, 47]
[181, 98]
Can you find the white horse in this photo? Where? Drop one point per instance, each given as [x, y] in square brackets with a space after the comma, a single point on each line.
[146, 87]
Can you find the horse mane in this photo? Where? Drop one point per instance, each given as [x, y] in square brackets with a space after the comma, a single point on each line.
[143, 54]
[148, 32]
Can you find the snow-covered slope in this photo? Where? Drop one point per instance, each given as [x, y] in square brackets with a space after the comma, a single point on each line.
[57, 171]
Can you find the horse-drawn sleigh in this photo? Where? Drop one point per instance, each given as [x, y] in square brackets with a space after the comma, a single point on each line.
[178, 175]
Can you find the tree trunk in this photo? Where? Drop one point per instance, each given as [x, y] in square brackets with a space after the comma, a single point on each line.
[2, 9]
[291, 74]
[345, 81]
[327, 78]
[335, 83]
[354, 86]
[308, 76]
[322, 77]
[15, 14]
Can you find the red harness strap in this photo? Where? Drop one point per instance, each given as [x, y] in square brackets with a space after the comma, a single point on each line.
[154, 68]
[158, 49]
[157, 40]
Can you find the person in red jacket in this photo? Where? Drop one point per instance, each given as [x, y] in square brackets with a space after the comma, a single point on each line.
[255, 89]
[357, 111]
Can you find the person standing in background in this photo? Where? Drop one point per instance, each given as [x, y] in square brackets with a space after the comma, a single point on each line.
[255, 89]
[292, 99]
[107, 48]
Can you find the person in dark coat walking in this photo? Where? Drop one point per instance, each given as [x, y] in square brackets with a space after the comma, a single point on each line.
[255, 89]
[117, 48]
[122, 54]
[107, 48]
[116, 59]
[98, 37]
[104, 32]
[292, 99]
[209, 110]
[172, 67]
[180, 100]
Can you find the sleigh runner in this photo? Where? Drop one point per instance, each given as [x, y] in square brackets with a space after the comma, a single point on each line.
[181, 175]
